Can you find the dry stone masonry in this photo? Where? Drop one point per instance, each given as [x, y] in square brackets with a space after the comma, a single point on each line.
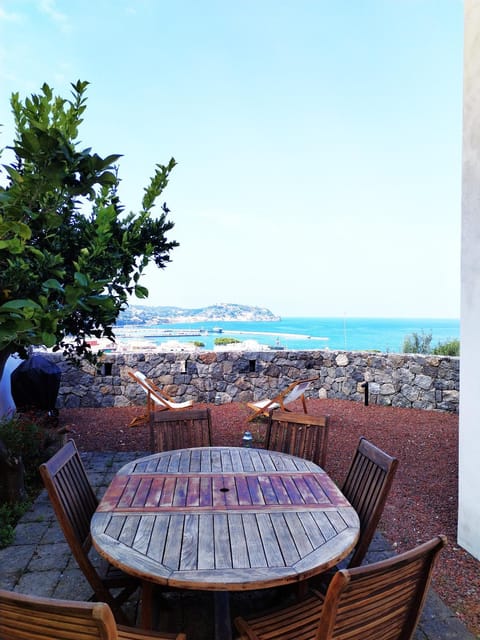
[416, 381]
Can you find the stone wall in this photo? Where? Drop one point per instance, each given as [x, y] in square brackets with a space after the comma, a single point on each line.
[399, 380]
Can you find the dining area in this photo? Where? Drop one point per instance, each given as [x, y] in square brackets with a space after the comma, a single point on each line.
[222, 519]
[223, 532]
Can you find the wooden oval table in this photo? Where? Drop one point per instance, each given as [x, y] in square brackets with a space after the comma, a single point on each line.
[222, 519]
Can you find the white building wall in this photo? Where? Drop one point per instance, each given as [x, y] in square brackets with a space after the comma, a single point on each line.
[469, 439]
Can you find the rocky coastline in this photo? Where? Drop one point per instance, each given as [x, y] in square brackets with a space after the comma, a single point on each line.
[222, 312]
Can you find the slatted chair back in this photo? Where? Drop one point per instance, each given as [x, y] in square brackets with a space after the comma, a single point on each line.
[366, 486]
[299, 434]
[381, 601]
[74, 503]
[180, 429]
[25, 617]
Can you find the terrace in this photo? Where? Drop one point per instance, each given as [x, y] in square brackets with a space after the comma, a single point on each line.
[422, 503]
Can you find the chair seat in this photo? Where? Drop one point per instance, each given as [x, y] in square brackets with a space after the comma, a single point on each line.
[129, 633]
[261, 404]
[296, 622]
[115, 578]
[176, 405]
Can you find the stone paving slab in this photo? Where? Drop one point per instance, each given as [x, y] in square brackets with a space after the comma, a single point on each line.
[39, 561]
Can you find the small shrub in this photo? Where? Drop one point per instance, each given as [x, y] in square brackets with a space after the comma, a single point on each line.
[25, 442]
[10, 514]
[22, 437]
[223, 341]
[447, 348]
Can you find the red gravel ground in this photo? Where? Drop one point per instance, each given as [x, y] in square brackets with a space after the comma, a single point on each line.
[423, 500]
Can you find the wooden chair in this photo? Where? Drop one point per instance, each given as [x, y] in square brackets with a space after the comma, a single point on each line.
[374, 602]
[299, 434]
[25, 617]
[157, 400]
[74, 503]
[293, 392]
[180, 429]
[366, 486]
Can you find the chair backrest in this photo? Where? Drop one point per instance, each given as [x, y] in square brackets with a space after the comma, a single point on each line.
[299, 434]
[74, 503]
[380, 601]
[366, 487]
[295, 390]
[25, 617]
[155, 396]
[180, 429]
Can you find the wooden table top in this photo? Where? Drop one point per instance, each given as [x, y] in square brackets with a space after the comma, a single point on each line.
[223, 518]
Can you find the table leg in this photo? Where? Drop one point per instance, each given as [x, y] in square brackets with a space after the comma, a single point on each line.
[146, 620]
[223, 624]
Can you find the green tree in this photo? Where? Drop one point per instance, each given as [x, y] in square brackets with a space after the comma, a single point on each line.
[69, 254]
[224, 341]
[417, 343]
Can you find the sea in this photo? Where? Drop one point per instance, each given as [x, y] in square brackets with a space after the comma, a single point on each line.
[297, 333]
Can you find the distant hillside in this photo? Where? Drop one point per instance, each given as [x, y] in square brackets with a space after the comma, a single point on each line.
[141, 314]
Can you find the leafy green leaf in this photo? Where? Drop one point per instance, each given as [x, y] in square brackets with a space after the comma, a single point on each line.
[20, 304]
[141, 292]
[52, 283]
[81, 279]
[48, 339]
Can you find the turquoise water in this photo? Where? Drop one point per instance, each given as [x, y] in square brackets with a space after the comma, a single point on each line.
[354, 334]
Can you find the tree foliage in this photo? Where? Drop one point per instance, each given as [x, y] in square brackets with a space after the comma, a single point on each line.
[226, 340]
[69, 255]
[417, 343]
[421, 343]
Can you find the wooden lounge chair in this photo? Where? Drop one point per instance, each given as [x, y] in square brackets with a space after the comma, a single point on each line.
[74, 503]
[157, 400]
[373, 602]
[293, 392]
[25, 617]
[299, 434]
[180, 429]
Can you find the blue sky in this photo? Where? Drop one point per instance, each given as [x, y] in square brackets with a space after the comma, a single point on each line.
[318, 142]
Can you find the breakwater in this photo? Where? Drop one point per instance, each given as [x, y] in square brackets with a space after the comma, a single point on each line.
[399, 380]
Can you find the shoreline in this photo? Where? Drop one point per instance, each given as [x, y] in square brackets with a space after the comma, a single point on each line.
[299, 333]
